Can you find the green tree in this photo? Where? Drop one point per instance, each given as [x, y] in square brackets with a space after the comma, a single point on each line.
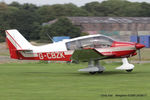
[27, 21]
[114, 8]
[145, 12]
[60, 10]
[43, 33]
[15, 4]
[62, 27]
[93, 8]
[5, 12]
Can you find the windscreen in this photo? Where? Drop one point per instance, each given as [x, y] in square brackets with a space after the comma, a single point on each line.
[92, 42]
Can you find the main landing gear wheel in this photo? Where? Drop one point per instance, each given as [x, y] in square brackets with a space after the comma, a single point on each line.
[130, 70]
[100, 72]
[93, 68]
[92, 73]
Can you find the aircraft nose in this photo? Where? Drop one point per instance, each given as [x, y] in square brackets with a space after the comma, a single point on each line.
[139, 46]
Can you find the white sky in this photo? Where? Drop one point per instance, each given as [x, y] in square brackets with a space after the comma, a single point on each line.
[50, 2]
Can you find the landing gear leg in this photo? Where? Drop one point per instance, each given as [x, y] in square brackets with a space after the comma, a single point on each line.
[97, 64]
[93, 68]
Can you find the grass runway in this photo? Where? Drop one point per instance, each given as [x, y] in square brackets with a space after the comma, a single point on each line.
[35, 81]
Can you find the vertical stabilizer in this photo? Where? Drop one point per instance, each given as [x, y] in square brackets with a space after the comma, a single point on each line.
[16, 42]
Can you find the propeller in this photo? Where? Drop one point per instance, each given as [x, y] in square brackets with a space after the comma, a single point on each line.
[139, 52]
[138, 41]
[139, 55]
[138, 47]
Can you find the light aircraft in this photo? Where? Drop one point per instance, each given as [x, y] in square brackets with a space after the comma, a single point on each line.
[90, 48]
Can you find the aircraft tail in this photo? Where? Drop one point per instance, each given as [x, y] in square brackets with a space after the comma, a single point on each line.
[16, 42]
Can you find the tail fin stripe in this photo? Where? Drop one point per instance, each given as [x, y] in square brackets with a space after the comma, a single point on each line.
[13, 39]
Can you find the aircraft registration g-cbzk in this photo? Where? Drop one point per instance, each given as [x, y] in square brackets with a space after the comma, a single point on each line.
[90, 48]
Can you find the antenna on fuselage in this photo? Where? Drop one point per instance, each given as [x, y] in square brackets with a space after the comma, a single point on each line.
[50, 38]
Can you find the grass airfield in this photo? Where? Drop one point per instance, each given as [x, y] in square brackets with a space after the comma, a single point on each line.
[34, 81]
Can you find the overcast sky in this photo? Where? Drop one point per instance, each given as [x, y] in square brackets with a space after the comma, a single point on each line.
[50, 2]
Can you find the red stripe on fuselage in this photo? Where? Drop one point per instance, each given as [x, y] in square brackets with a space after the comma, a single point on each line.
[119, 54]
[49, 56]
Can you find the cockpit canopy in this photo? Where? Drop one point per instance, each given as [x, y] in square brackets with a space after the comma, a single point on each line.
[90, 42]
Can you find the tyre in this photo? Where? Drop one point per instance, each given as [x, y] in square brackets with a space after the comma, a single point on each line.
[130, 70]
[92, 73]
[100, 72]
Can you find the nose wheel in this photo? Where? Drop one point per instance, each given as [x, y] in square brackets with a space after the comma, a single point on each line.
[126, 66]
[130, 70]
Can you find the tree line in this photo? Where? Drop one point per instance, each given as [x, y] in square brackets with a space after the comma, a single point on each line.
[28, 18]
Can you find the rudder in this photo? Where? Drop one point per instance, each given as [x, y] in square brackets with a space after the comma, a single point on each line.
[16, 42]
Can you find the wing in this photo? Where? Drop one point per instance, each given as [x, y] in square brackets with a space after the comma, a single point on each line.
[87, 54]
